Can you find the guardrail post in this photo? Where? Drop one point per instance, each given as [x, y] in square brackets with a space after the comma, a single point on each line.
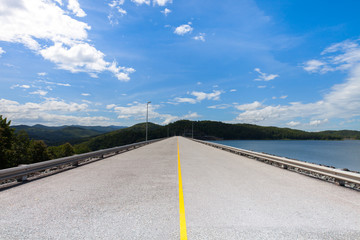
[283, 166]
[76, 164]
[339, 182]
[21, 178]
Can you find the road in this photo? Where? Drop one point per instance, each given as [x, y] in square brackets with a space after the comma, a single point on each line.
[135, 195]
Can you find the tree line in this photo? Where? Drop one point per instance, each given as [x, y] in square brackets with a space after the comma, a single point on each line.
[18, 148]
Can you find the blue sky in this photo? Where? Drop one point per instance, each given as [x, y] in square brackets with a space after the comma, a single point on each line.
[272, 63]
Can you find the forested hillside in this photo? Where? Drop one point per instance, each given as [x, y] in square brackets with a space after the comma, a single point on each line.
[17, 148]
[344, 134]
[120, 137]
[226, 131]
[207, 130]
[53, 136]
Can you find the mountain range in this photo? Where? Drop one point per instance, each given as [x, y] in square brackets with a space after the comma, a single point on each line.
[91, 138]
[58, 135]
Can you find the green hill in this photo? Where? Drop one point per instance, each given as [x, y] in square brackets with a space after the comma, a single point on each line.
[219, 130]
[344, 134]
[94, 138]
[120, 137]
[206, 130]
[59, 135]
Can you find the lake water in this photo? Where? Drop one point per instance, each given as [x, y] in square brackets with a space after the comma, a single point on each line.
[340, 154]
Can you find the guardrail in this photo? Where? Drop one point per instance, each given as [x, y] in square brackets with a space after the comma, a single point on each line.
[21, 173]
[340, 177]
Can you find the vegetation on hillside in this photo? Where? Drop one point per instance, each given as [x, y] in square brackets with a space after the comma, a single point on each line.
[54, 136]
[16, 147]
[225, 131]
[121, 137]
[343, 134]
[207, 130]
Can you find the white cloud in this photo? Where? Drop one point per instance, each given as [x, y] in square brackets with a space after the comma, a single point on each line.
[262, 86]
[63, 84]
[86, 94]
[20, 86]
[51, 112]
[347, 57]
[318, 122]
[118, 11]
[250, 106]
[122, 73]
[166, 11]
[40, 92]
[138, 111]
[233, 90]
[1, 51]
[42, 74]
[116, 3]
[191, 115]
[264, 76]
[116, 7]
[27, 21]
[74, 6]
[215, 95]
[38, 23]
[78, 58]
[140, 2]
[110, 106]
[200, 37]
[121, 11]
[83, 57]
[170, 118]
[54, 83]
[341, 102]
[48, 105]
[185, 100]
[281, 97]
[183, 29]
[313, 65]
[200, 96]
[293, 124]
[161, 2]
[220, 106]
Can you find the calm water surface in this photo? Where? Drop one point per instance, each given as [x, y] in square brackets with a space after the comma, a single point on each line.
[340, 154]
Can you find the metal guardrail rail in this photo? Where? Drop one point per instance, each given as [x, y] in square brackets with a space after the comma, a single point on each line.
[21, 173]
[340, 177]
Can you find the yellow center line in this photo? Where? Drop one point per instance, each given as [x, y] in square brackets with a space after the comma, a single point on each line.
[183, 234]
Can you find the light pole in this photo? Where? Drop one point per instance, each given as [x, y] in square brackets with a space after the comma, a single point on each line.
[147, 116]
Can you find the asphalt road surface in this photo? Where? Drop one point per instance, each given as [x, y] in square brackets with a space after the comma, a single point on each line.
[135, 195]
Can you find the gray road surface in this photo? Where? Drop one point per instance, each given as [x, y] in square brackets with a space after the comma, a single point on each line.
[134, 195]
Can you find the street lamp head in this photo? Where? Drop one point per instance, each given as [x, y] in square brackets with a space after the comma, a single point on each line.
[148, 102]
